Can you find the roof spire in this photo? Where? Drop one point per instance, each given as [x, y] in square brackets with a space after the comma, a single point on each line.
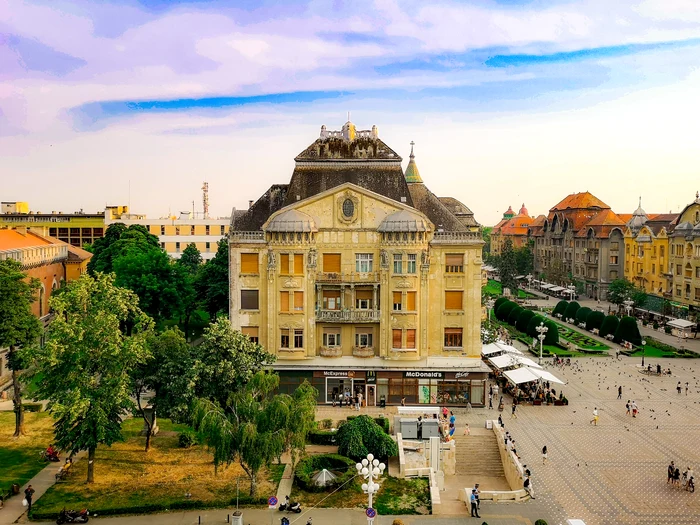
[640, 201]
[412, 174]
[412, 156]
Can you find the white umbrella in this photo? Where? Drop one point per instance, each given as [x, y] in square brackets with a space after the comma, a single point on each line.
[323, 477]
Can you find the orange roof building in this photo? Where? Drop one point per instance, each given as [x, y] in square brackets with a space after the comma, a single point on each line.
[513, 227]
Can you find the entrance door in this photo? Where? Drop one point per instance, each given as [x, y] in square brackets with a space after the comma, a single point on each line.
[371, 396]
[358, 387]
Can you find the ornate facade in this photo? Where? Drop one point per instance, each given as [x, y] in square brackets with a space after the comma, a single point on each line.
[359, 279]
[684, 270]
[513, 227]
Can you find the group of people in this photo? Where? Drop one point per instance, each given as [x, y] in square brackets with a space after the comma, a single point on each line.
[674, 477]
[475, 501]
[632, 408]
[352, 401]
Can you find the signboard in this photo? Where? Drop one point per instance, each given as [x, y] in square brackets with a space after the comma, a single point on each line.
[423, 375]
[371, 376]
[371, 513]
[461, 375]
[338, 373]
[272, 501]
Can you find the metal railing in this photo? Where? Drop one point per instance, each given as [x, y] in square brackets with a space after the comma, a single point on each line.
[456, 237]
[352, 277]
[243, 236]
[347, 316]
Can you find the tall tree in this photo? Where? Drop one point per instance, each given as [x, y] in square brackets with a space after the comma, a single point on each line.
[18, 326]
[507, 267]
[118, 242]
[556, 273]
[524, 260]
[191, 258]
[486, 235]
[254, 425]
[619, 290]
[188, 268]
[97, 336]
[212, 284]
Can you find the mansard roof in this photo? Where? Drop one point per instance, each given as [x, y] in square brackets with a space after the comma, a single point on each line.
[580, 201]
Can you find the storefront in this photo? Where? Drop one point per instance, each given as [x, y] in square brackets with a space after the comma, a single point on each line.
[451, 388]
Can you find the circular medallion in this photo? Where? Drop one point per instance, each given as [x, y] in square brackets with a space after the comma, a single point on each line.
[348, 208]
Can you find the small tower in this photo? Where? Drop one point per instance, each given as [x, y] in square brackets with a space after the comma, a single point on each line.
[349, 131]
[412, 173]
[205, 199]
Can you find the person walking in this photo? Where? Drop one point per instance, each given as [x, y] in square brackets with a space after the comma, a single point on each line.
[544, 455]
[628, 406]
[527, 485]
[678, 387]
[619, 392]
[594, 421]
[467, 432]
[28, 495]
[500, 421]
[473, 500]
[671, 470]
[359, 400]
[677, 477]
[686, 388]
[513, 415]
[634, 409]
[490, 403]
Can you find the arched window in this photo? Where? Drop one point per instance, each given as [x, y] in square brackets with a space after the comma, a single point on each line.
[565, 225]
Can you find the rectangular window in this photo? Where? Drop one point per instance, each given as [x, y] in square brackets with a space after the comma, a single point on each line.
[298, 338]
[613, 259]
[299, 301]
[453, 338]
[397, 301]
[614, 245]
[206, 230]
[208, 246]
[251, 332]
[697, 271]
[411, 264]
[284, 264]
[331, 299]
[249, 263]
[411, 338]
[298, 264]
[396, 338]
[192, 230]
[411, 301]
[697, 294]
[363, 299]
[249, 300]
[177, 247]
[363, 262]
[331, 262]
[284, 301]
[363, 337]
[662, 251]
[679, 270]
[653, 268]
[222, 230]
[453, 300]
[162, 230]
[162, 246]
[331, 337]
[398, 263]
[284, 338]
[454, 263]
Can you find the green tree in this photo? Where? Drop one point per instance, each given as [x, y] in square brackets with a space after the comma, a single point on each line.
[118, 242]
[582, 314]
[227, 360]
[486, 236]
[507, 268]
[524, 260]
[97, 336]
[361, 436]
[556, 273]
[18, 326]
[253, 426]
[619, 291]
[571, 310]
[533, 324]
[514, 314]
[560, 308]
[595, 320]
[503, 311]
[212, 285]
[609, 326]
[523, 320]
[552, 335]
[191, 258]
[628, 330]
[188, 267]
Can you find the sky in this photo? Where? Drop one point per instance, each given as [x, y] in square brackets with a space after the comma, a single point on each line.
[508, 101]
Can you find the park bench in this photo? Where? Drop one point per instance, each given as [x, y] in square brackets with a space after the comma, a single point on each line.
[64, 471]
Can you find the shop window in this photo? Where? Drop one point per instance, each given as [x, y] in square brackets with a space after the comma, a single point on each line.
[396, 338]
[251, 332]
[396, 301]
[298, 264]
[284, 264]
[363, 262]
[411, 338]
[363, 299]
[398, 263]
[249, 263]
[331, 299]
[454, 263]
[298, 338]
[453, 338]
[411, 264]
[453, 300]
[284, 301]
[298, 301]
[411, 301]
[363, 337]
[284, 338]
[331, 337]
[249, 300]
[331, 262]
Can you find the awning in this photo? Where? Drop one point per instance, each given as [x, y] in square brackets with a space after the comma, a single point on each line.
[681, 323]
[557, 289]
[511, 360]
[491, 349]
[546, 376]
[507, 348]
[547, 286]
[525, 361]
[520, 375]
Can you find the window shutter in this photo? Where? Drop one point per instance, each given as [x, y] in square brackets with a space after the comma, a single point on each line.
[396, 338]
[397, 297]
[410, 338]
[284, 301]
[331, 293]
[454, 259]
[284, 264]
[331, 262]
[249, 263]
[411, 301]
[453, 331]
[298, 300]
[453, 300]
[250, 331]
[298, 264]
[363, 294]
[249, 299]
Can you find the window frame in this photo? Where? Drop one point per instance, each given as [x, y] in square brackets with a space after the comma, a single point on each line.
[257, 299]
[365, 260]
[411, 261]
[398, 263]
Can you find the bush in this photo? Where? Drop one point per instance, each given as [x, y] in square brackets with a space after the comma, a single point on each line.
[326, 423]
[361, 436]
[540, 522]
[609, 325]
[523, 320]
[560, 308]
[504, 310]
[32, 407]
[594, 320]
[571, 309]
[628, 330]
[656, 325]
[383, 422]
[533, 324]
[552, 335]
[667, 329]
[582, 314]
[321, 437]
[514, 314]
[499, 302]
[343, 467]
[187, 439]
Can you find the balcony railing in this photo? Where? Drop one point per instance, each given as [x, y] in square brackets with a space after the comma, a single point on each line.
[363, 351]
[456, 237]
[353, 277]
[347, 316]
[330, 351]
[246, 237]
[33, 256]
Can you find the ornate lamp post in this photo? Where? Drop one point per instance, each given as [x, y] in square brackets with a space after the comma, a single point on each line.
[370, 469]
[571, 290]
[541, 331]
[628, 306]
[489, 305]
[643, 343]
[529, 281]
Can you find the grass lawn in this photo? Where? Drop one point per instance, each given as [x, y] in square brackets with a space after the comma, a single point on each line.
[652, 351]
[396, 496]
[495, 288]
[580, 339]
[19, 458]
[129, 480]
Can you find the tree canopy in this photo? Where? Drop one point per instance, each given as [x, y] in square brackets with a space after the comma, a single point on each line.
[507, 267]
[119, 241]
[361, 436]
[628, 330]
[212, 284]
[621, 290]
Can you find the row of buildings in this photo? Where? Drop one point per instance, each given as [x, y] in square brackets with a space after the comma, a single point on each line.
[593, 245]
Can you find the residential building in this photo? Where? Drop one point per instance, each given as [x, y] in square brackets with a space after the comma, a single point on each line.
[581, 239]
[513, 227]
[685, 259]
[359, 279]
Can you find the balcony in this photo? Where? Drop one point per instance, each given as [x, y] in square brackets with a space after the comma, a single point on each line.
[457, 238]
[330, 351]
[246, 237]
[363, 351]
[347, 316]
[352, 277]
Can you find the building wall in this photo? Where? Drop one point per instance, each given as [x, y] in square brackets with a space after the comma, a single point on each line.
[646, 260]
[50, 276]
[684, 258]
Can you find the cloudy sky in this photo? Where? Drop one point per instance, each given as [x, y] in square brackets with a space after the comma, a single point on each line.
[508, 101]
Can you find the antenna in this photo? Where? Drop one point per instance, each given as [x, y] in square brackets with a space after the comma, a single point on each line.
[205, 199]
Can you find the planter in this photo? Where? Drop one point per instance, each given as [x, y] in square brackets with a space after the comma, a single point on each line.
[558, 403]
[537, 402]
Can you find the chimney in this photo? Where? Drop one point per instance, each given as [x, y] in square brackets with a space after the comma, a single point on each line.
[250, 204]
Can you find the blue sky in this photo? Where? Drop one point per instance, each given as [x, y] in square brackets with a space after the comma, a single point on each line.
[594, 95]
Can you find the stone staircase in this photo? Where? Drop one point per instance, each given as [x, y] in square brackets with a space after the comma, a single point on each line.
[478, 454]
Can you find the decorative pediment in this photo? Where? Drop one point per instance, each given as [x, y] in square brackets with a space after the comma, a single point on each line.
[291, 283]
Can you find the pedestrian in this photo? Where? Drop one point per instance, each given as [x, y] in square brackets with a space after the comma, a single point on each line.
[500, 421]
[403, 401]
[594, 421]
[634, 409]
[513, 415]
[544, 455]
[28, 495]
[490, 403]
[619, 392]
[473, 500]
[491, 390]
[526, 470]
[678, 387]
[527, 485]
[671, 471]
[467, 432]
[686, 388]
[677, 477]
[444, 412]
[628, 406]
[478, 496]
[359, 400]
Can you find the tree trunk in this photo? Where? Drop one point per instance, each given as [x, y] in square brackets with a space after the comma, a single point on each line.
[91, 465]
[17, 401]
[149, 424]
[253, 484]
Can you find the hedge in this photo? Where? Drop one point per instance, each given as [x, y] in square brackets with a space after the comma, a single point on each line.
[342, 466]
[514, 314]
[533, 324]
[321, 437]
[383, 422]
[571, 309]
[503, 311]
[609, 325]
[552, 335]
[499, 302]
[361, 436]
[628, 330]
[560, 308]
[595, 320]
[582, 314]
[523, 320]
[32, 407]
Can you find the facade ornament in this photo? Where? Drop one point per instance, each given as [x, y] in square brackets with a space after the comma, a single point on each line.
[271, 261]
[383, 259]
[424, 258]
[311, 260]
[291, 283]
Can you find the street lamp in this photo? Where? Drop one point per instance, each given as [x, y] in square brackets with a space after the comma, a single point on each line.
[571, 290]
[529, 281]
[628, 306]
[489, 305]
[643, 343]
[541, 330]
[370, 469]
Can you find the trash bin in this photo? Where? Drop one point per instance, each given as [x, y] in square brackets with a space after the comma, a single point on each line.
[15, 488]
[237, 518]
[382, 402]
[409, 428]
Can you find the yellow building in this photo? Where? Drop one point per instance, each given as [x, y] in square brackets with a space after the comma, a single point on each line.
[345, 276]
[647, 250]
[685, 258]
